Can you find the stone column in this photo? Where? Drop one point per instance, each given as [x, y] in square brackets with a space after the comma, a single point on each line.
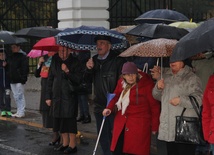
[74, 13]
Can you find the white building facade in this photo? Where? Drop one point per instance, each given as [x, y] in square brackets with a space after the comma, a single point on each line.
[74, 13]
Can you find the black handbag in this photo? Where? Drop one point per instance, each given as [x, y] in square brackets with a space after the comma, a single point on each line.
[189, 129]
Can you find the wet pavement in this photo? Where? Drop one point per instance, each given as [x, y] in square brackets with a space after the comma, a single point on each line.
[27, 136]
[19, 139]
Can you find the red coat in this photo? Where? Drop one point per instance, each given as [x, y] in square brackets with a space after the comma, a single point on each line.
[139, 119]
[208, 111]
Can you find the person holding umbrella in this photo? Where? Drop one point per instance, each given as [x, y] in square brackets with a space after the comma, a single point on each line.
[42, 71]
[105, 69]
[173, 90]
[4, 86]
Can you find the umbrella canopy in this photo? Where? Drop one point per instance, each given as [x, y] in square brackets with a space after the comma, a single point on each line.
[157, 31]
[161, 16]
[37, 32]
[154, 48]
[6, 37]
[36, 53]
[47, 44]
[199, 40]
[124, 29]
[184, 24]
[82, 38]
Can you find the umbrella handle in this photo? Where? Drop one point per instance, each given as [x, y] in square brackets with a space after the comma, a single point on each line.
[145, 68]
[161, 69]
[157, 63]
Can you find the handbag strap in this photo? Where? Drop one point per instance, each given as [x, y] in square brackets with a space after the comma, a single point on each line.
[183, 112]
[195, 105]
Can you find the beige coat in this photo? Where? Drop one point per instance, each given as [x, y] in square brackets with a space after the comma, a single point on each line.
[183, 84]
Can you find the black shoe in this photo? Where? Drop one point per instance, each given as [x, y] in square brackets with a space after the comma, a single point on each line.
[61, 148]
[81, 118]
[70, 150]
[57, 141]
[87, 119]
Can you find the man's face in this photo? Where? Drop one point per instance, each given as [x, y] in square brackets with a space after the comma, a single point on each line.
[64, 52]
[15, 48]
[103, 46]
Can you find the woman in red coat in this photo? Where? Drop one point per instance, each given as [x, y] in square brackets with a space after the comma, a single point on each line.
[208, 112]
[137, 114]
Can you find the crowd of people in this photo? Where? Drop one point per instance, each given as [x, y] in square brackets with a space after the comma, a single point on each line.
[144, 104]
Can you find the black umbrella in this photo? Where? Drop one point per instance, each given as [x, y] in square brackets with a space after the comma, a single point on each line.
[37, 32]
[199, 40]
[6, 37]
[156, 31]
[161, 16]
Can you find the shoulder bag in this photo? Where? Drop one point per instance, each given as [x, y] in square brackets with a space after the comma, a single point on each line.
[189, 129]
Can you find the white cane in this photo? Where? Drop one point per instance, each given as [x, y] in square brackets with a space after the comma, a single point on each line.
[110, 96]
[98, 138]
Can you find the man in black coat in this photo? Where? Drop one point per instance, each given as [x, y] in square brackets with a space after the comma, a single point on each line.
[18, 74]
[105, 68]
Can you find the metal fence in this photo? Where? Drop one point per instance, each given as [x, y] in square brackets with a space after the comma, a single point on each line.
[18, 14]
[123, 12]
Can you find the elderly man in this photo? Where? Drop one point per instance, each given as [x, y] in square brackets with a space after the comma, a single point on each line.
[105, 68]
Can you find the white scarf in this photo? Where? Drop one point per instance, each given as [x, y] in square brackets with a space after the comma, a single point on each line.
[123, 101]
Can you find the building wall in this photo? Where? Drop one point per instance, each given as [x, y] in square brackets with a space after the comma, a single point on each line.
[74, 13]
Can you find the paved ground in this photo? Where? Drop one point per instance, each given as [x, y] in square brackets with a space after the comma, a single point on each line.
[33, 117]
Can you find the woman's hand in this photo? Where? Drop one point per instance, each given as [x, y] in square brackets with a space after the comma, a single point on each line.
[154, 132]
[175, 101]
[106, 112]
[155, 72]
[41, 60]
[160, 84]
[64, 68]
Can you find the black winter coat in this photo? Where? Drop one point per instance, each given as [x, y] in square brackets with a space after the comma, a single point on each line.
[105, 75]
[64, 100]
[18, 68]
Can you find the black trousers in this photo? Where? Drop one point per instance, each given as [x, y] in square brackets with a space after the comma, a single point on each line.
[180, 148]
[119, 147]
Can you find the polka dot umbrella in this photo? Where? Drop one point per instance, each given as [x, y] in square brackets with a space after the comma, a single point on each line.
[82, 38]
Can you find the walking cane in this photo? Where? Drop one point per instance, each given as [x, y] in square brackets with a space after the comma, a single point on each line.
[109, 98]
